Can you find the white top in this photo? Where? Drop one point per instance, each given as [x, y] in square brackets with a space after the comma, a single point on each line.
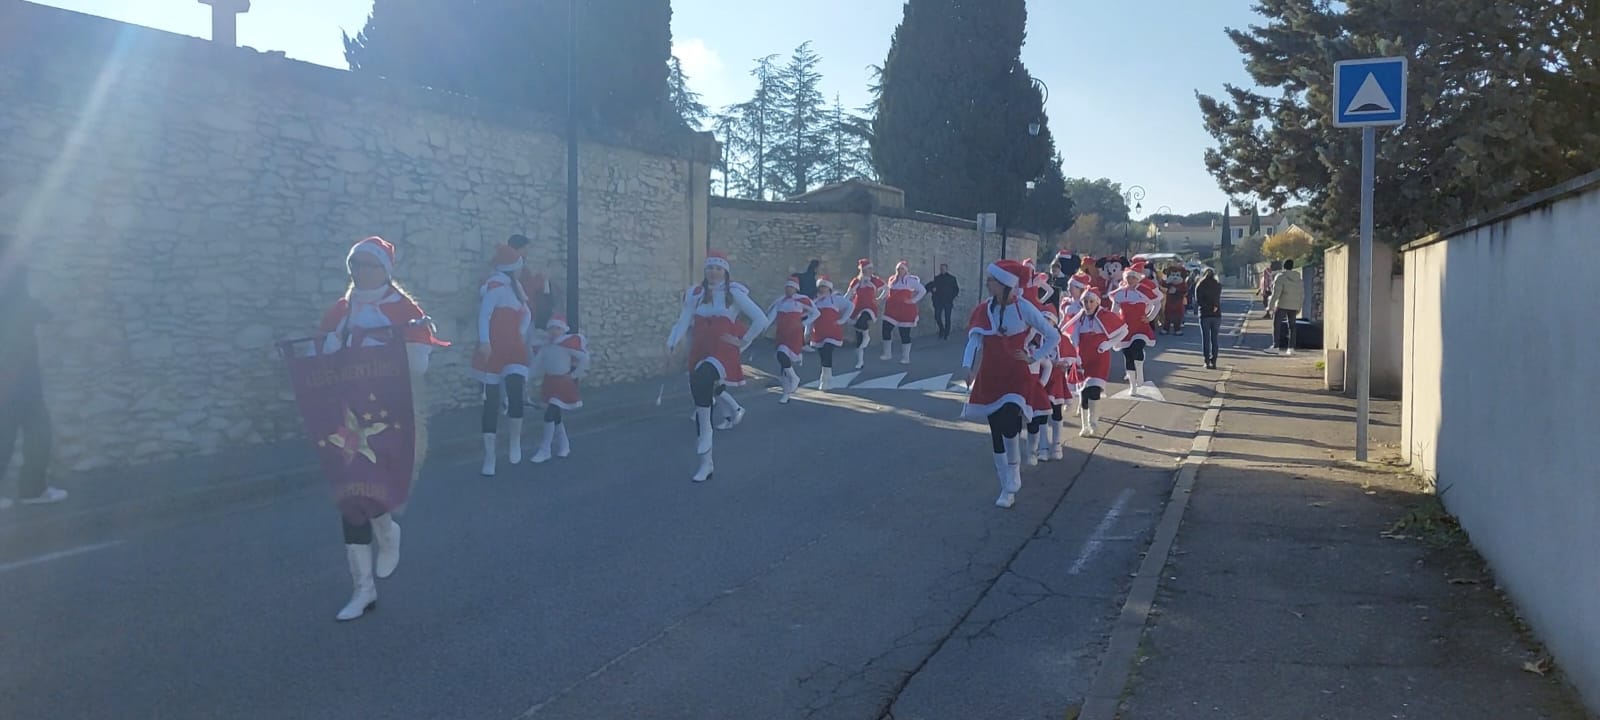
[726, 301]
[1019, 317]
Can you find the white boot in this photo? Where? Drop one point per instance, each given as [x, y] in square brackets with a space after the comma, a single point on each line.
[1138, 373]
[1046, 441]
[905, 354]
[544, 444]
[365, 596]
[1002, 471]
[1084, 429]
[1013, 457]
[386, 534]
[563, 446]
[1057, 439]
[888, 350]
[514, 428]
[488, 454]
[702, 418]
[1088, 416]
[827, 375]
[735, 412]
[791, 383]
[861, 357]
[1030, 453]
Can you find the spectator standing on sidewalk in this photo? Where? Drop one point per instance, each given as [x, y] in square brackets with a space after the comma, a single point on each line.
[1288, 295]
[808, 279]
[22, 407]
[944, 290]
[1208, 298]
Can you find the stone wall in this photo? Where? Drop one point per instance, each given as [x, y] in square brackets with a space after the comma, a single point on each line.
[184, 205]
[768, 241]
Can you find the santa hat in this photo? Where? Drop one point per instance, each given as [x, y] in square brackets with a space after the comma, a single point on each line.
[1041, 279]
[792, 282]
[507, 259]
[1010, 273]
[902, 265]
[378, 248]
[1087, 262]
[824, 282]
[557, 322]
[1138, 267]
[863, 262]
[718, 259]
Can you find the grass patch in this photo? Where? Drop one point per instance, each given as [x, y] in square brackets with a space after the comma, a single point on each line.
[1322, 365]
[1430, 523]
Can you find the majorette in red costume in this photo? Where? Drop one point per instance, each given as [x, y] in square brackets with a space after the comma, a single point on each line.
[791, 316]
[375, 301]
[563, 360]
[863, 292]
[827, 331]
[504, 322]
[1095, 332]
[1052, 375]
[900, 296]
[1087, 277]
[1138, 301]
[1002, 390]
[710, 322]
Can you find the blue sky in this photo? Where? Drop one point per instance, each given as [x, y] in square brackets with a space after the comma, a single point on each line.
[1122, 76]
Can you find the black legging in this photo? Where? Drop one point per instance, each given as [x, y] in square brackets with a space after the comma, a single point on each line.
[491, 402]
[825, 351]
[888, 332]
[941, 315]
[552, 414]
[1005, 423]
[357, 534]
[1036, 422]
[1055, 413]
[1090, 394]
[1134, 353]
[704, 384]
[783, 361]
[863, 324]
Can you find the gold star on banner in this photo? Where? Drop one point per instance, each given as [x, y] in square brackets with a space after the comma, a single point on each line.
[383, 414]
[322, 443]
[367, 417]
[352, 438]
[371, 397]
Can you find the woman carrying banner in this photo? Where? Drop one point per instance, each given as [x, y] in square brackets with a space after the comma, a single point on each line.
[709, 320]
[374, 300]
[504, 319]
[900, 297]
[1095, 332]
[1002, 388]
[791, 315]
[562, 361]
[863, 293]
[827, 332]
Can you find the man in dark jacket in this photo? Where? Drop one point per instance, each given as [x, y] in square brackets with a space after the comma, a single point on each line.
[808, 280]
[1208, 295]
[943, 290]
[22, 409]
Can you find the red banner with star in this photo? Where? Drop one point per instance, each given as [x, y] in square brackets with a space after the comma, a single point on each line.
[356, 405]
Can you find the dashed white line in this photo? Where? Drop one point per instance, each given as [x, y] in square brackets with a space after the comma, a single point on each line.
[61, 554]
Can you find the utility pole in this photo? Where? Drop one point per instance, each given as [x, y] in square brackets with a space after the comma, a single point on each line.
[572, 164]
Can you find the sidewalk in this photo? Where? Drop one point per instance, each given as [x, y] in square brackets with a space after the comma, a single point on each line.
[116, 499]
[1303, 585]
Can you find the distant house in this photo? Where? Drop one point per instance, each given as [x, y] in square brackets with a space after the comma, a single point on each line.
[1207, 239]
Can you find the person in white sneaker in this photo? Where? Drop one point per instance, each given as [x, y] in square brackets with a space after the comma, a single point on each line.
[22, 405]
[562, 361]
[375, 300]
[1288, 296]
[710, 322]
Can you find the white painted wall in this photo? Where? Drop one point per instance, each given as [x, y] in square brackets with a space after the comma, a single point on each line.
[1502, 404]
[1388, 317]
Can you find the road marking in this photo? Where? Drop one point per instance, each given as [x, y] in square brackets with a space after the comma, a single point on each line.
[839, 382]
[49, 557]
[891, 382]
[933, 384]
[1098, 537]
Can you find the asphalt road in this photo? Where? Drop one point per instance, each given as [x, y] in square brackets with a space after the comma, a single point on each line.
[846, 561]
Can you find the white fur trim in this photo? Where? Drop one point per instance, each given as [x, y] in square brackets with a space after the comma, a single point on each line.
[1005, 278]
[982, 412]
[718, 262]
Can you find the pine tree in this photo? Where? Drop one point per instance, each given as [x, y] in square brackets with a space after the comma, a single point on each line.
[849, 152]
[749, 132]
[1493, 112]
[685, 101]
[800, 143]
[951, 123]
[516, 52]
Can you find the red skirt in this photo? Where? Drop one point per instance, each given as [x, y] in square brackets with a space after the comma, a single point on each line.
[791, 334]
[1096, 363]
[508, 349]
[898, 310]
[1058, 389]
[827, 331]
[562, 392]
[707, 346]
[1002, 379]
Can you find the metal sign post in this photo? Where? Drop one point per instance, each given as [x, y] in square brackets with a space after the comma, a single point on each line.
[1367, 94]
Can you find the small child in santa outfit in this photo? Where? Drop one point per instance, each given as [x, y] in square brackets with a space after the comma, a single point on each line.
[791, 316]
[827, 331]
[863, 293]
[562, 361]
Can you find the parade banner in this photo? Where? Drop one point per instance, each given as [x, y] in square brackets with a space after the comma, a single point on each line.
[356, 405]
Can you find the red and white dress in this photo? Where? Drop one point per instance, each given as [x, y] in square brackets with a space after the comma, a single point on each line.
[828, 329]
[503, 322]
[864, 297]
[1094, 338]
[1001, 378]
[563, 363]
[706, 319]
[791, 315]
[901, 296]
[1137, 305]
[365, 310]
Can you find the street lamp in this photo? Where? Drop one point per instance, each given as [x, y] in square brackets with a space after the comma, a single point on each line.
[1135, 196]
[1035, 127]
